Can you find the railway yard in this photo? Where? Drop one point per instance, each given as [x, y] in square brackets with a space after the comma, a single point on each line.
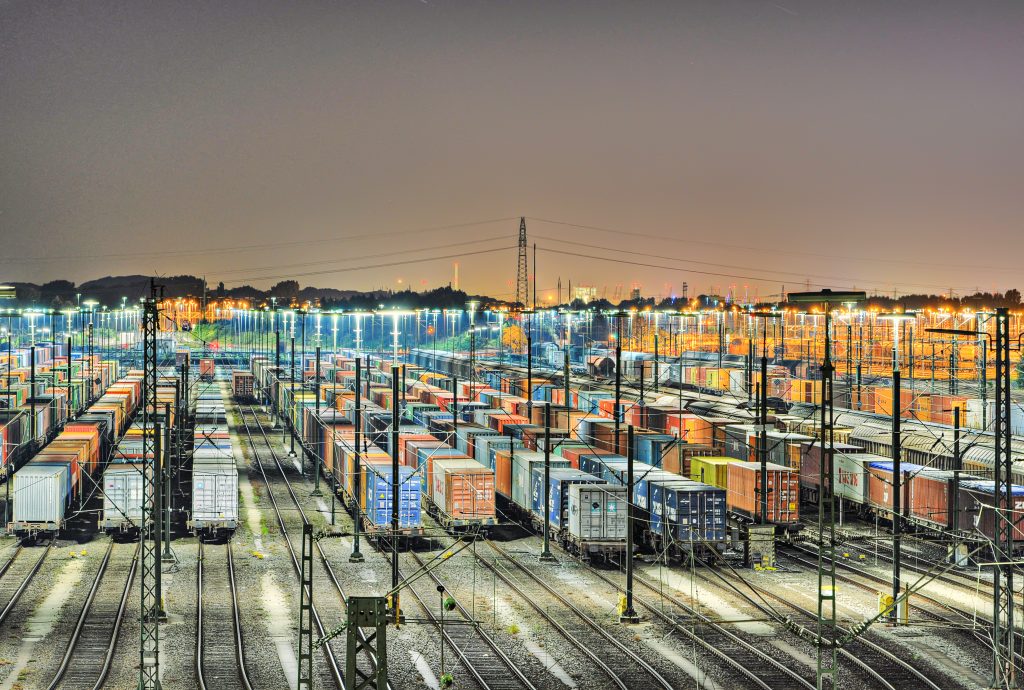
[266, 484]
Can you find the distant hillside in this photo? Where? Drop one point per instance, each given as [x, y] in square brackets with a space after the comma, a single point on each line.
[111, 290]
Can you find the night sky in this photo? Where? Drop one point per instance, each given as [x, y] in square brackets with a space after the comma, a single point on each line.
[869, 144]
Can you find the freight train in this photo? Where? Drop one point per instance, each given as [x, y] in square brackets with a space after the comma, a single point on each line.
[961, 502]
[57, 478]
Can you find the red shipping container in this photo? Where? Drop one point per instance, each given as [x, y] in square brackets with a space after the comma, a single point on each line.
[931, 496]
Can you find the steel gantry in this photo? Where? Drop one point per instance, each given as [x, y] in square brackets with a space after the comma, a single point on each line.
[150, 611]
[1004, 634]
[827, 675]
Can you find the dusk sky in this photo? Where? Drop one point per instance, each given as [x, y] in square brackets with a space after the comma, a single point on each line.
[869, 144]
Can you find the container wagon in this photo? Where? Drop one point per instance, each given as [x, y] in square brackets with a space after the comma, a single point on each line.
[214, 495]
[214, 473]
[462, 494]
[243, 385]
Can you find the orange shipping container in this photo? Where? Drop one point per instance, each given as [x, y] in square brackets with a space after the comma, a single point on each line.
[463, 489]
[744, 492]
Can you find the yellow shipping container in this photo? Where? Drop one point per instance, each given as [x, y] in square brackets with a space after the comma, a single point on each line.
[712, 470]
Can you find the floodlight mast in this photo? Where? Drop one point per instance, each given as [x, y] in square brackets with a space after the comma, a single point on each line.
[897, 458]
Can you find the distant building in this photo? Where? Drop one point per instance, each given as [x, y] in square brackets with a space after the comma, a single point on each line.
[634, 294]
[584, 293]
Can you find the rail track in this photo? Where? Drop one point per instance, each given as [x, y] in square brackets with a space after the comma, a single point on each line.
[490, 667]
[220, 655]
[86, 663]
[368, 661]
[935, 611]
[623, 666]
[880, 668]
[738, 655]
[16, 576]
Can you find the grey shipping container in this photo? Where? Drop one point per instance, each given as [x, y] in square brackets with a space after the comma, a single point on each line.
[40, 495]
[597, 513]
[122, 496]
[523, 464]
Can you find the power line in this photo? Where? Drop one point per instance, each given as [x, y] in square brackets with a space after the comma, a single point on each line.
[689, 240]
[252, 247]
[461, 243]
[367, 267]
[742, 268]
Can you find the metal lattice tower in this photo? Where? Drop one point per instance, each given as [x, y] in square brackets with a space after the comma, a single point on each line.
[366, 613]
[305, 665]
[149, 637]
[522, 269]
[1003, 633]
[827, 647]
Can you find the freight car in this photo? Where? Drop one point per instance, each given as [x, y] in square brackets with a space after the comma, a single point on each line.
[207, 369]
[45, 489]
[214, 510]
[243, 385]
[377, 486]
[122, 497]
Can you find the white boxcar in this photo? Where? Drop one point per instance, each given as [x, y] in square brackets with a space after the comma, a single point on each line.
[597, 519]
[122, 496]
[214, 494]
[41, 494]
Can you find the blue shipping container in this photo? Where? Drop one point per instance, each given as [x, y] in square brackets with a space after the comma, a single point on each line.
[379, 497]
[561, 478]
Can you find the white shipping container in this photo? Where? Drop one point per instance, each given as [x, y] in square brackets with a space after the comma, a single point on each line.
[441, 468]
[975, 413]
[597, 512]
[41, 494]
[214, 494]
[122, 496]
[851, 480]
[523, 464]
[1016, 417]
[737, 381]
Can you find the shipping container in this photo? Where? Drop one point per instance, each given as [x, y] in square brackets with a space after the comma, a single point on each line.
[462, 492]
[214, 494]
[713, 470]
[243, 385]
[744, 492]
[558, 494]
[696, 514]
[122, 496]
[377, 502]
[597, 519]
[41, 494]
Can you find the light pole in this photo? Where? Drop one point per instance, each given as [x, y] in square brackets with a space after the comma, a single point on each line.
[897, 453]
[762, 407]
